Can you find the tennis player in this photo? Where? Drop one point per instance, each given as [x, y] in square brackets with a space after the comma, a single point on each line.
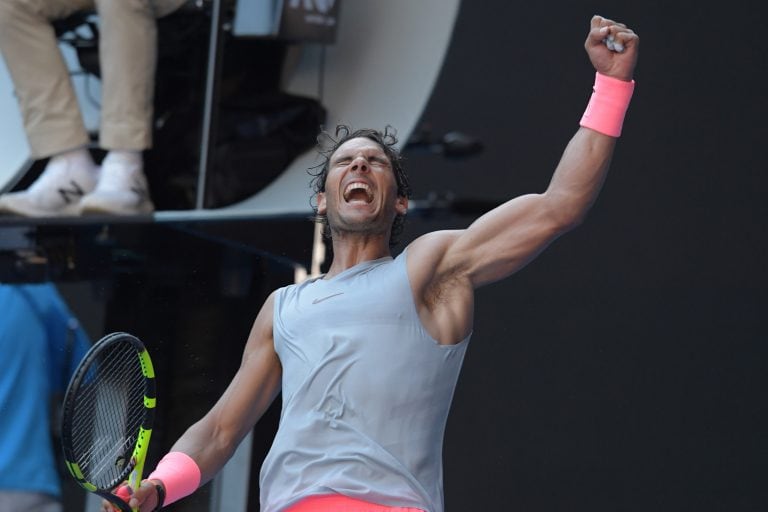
[367, 356]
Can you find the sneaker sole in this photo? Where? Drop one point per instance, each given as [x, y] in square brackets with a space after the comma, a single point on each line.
[89, 210]
[72, 210]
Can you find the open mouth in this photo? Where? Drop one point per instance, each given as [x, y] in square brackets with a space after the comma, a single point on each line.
[358, 192]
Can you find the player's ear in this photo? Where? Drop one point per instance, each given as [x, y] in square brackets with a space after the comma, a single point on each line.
[401, 205]
[321, 204]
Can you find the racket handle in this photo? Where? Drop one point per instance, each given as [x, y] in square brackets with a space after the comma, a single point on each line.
[121, 498]
[139, 455]
[134, 481]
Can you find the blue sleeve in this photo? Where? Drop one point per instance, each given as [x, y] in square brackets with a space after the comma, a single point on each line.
[67, 341]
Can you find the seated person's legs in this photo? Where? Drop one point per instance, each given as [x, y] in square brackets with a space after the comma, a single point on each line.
[49, 108]
[127, 58]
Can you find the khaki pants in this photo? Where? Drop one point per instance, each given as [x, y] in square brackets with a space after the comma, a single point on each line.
[127, 58]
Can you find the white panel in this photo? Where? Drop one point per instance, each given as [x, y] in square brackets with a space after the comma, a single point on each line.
[255, 17]
[381, 71]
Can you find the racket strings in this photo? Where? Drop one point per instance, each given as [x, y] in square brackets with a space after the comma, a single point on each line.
[109, 410]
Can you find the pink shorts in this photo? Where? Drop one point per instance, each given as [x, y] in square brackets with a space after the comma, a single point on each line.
[339, 503]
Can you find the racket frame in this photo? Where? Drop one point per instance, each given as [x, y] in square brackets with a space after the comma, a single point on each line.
[132, 472]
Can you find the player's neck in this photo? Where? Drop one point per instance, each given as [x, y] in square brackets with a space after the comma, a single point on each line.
[347, 253]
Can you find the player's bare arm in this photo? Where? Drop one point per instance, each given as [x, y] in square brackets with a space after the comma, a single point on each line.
[445, 267]
[213, 439]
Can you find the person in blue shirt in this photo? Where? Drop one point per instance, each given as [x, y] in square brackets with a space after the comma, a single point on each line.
[41, 343]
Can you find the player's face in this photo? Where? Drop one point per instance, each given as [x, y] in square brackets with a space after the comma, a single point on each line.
[360, 189]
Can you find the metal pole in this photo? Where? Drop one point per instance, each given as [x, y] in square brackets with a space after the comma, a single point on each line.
[211, 93]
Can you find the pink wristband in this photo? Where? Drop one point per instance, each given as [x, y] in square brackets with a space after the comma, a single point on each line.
[180, 476]
[608, 104]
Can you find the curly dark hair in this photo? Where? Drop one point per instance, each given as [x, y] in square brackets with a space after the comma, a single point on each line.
[387, 140]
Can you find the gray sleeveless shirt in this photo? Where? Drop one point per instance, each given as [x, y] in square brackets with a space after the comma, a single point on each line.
[366, 392]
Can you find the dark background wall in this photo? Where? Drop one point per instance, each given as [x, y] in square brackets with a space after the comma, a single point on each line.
[624, 369]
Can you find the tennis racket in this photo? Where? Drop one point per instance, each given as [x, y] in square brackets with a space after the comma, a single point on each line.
[107, 417]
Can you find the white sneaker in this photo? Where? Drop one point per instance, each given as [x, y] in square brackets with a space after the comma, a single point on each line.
[122, 189]
[58, 190]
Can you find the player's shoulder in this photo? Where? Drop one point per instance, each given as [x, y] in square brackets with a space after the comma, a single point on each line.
[434, 241]
[267, 308]
[426, 253]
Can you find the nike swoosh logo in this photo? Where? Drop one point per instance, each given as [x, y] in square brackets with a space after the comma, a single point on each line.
[317, 301]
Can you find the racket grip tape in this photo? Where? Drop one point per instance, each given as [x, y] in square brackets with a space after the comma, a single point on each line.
[123, 492]
[179, 474]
